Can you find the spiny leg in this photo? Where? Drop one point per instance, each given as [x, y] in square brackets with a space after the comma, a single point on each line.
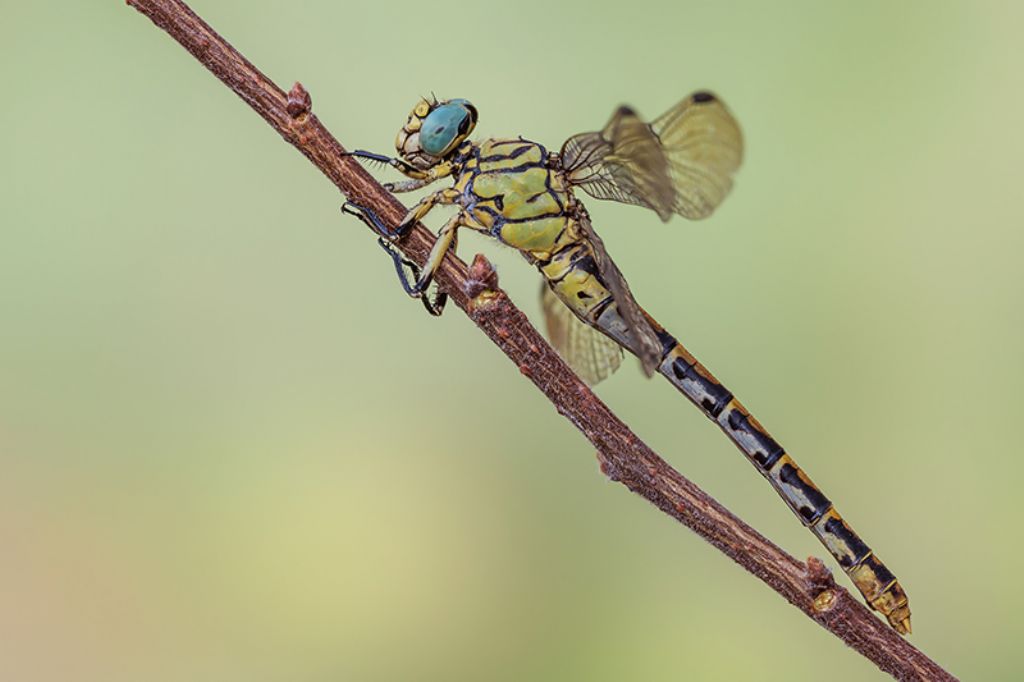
[398, 164]
[419, 178]
[434, 304]
[372, 220]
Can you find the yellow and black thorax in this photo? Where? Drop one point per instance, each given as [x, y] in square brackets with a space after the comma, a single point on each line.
[514, 190]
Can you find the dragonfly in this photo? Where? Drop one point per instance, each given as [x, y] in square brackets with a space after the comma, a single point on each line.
[524, 195]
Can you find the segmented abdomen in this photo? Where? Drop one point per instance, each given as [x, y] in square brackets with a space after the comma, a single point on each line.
[573, 275]
[878, 585]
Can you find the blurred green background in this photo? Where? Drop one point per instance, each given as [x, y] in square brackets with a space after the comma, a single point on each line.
[202, 361]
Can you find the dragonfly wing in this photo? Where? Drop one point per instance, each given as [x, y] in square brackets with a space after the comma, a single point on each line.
[623, 162]
[646, 344]
[704, 147]
[682, 162]
[590, 353]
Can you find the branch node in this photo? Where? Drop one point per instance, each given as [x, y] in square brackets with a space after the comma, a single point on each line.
[481, 282]
[299, 101]
[822, 585]
[818, 574]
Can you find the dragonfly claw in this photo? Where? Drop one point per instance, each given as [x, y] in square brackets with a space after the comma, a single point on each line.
[433, 304]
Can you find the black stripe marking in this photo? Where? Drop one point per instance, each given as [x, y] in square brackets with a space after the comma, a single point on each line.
[711, 397]
[560, 256]
[489, 211]
[561, 233]
[502, 143]
[512, 155]
[539, 216]
[514, 169]
[884, 575]
[838, 529]
[585, 263]
[819, 503]
[667, 341]
[552, 192]
[596, 312]
[768, 452]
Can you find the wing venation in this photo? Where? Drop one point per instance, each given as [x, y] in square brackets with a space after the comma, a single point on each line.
[682, 162]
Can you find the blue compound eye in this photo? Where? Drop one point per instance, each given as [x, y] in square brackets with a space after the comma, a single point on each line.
[447, 125]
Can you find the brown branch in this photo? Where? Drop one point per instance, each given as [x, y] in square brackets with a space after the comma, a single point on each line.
[623, 456]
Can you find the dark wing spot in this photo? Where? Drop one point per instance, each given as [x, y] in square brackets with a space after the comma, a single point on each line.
[703, 96]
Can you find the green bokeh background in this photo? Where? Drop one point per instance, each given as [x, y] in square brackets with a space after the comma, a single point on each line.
[202, 362]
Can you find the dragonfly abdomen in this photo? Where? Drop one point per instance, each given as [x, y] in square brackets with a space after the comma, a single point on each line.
[878, 585]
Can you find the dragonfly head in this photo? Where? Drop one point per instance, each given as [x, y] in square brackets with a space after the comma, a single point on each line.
[435, 130]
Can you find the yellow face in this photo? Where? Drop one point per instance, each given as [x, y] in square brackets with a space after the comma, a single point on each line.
[434, 130]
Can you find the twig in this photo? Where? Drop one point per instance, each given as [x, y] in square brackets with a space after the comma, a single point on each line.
[623, 456]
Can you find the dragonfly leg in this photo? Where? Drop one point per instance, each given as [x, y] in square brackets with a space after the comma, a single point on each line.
[368, 216]
[446, 240]
[424, 206]
[399, 165]
[416, 213]
[418, 178]
[407, 185]
[434, 304]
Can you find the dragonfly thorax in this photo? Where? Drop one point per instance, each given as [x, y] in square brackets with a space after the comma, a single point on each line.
[434, 131]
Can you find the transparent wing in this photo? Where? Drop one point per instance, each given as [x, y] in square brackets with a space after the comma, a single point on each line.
[644, 340]
[704, 147]
[590, 353]
[682, 162]
[623, 162]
